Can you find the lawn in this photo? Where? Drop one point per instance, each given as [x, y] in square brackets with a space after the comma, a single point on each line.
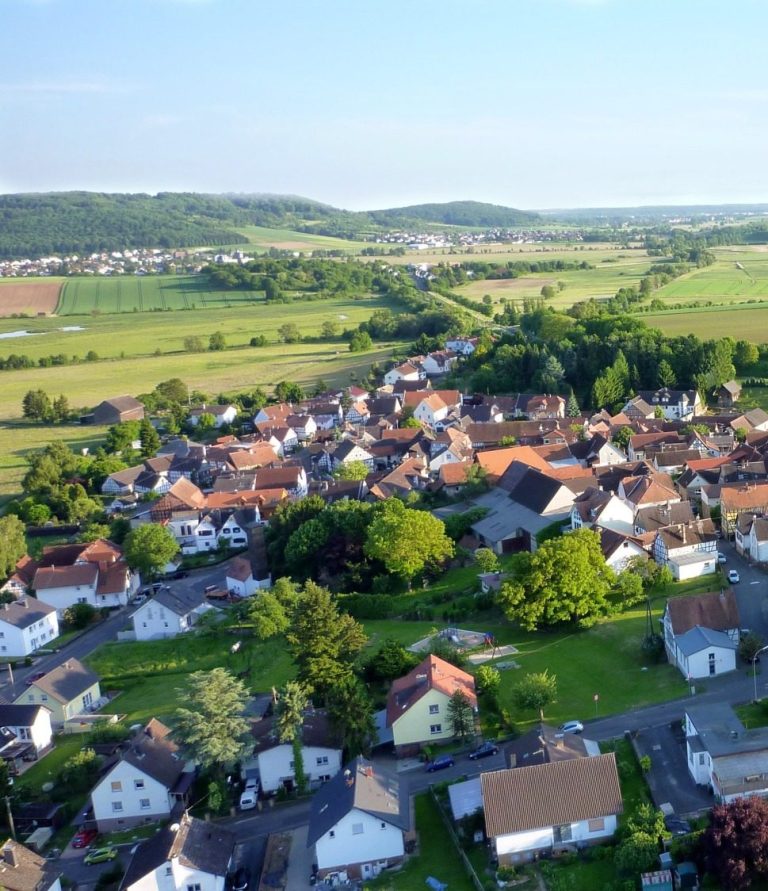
[48, 767]
[436, 856]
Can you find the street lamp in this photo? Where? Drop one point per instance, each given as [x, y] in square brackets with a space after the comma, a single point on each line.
[754, 668]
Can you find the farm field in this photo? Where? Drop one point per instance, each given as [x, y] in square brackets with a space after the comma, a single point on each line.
[29, 296]
[594, 252]
[746, 322]
[289, 240]
[724, 281]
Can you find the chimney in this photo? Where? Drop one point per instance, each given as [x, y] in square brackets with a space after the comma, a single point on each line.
[9, 856]
[25, 603]
[682, 530]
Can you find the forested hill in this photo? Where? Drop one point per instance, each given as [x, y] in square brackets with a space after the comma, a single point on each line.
[78, 222]
[455, 213]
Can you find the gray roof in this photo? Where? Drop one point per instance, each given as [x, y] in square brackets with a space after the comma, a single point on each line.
[197, 844]
[543, 745]
[721, 733]
[179, 601]
[699, 638]
[363, 787]
[466, 798]
[21, 715]
[67, 681]
[506, 517]
[153, 752]
[25, 612]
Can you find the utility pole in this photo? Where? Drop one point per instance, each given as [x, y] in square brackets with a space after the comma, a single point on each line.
[11, 825]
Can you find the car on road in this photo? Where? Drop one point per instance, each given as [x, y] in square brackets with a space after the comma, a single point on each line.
[241, 879]
[733, 576]
[440, 763]
[100, 855]
[721, 558]
[571, 727]
[676, 825]
[179, 574]
[483, 751]
[84, 837]
[35, 677]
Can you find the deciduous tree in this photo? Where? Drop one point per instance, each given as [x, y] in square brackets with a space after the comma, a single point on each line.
[13, 544]
[535, 692]
[735, 844]
[351, 713]
[149, 547]
[460, 715]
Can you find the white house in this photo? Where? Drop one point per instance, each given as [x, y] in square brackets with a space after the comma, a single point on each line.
[147, 783]
[688, 549]
[431, 410]
[168, 614]
[464, 346]
[23, 870]
[348, 452]
[25, 625]
[751, 537]
[408, 371]
[273, 760]
[595, 507]
[191, 855]
[304, 426]
[676, 405]
[619, 550]
[222, 414]
[701, 633]
[544, 808]
[241, 580]
[723, 754]
[357, 823]
[26, 732]
[439, 362]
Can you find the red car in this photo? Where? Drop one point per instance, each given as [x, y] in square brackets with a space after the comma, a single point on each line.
[35, 677]
[84, 837]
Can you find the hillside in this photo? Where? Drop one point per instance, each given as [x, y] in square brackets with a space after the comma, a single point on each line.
[79, 222]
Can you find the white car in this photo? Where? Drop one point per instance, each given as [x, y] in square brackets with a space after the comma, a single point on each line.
[733, 576]
[571, 727]
[721, 558]
[250, 794]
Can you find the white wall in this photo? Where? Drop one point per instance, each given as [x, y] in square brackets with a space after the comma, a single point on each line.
[276, 764]
[342, 846]
[521, 842]
[39, 732]
[172, 876]
[15, 641]
[151, 621]
[64, 597]
[697, 664]
[129, 796]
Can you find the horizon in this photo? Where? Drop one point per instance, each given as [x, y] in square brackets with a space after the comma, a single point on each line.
[535, 104]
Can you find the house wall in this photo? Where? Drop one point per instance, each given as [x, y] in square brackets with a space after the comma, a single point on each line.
[172, 876]
[347, 847]
[519, 846]
[617, 515]
[39, 732]
[60, 712]
[414, 725]
[64, 597]
[683, 571]
[17, 642]
[130, 804]
[276, 765]
[619, 559]
[151, 621]
[697, 664]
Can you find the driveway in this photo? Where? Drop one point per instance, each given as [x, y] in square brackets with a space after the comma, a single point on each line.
[669, 780]
[751, 591]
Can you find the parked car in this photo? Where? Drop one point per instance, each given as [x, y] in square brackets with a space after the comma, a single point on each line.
[84, 837]
[440, 763]
[483, 751]
[733, 576]
[571, 727]
[676, 825]
[250, 794]
[35, 677]
[179, 574]
[241, 879]
[100, 855]
[721, 558]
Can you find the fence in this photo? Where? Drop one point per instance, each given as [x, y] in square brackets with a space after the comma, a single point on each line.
[455, 839]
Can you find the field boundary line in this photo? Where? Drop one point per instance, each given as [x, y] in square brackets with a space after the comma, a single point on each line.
[59, 308]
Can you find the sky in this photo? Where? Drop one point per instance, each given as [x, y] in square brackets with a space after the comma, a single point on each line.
[378, 103]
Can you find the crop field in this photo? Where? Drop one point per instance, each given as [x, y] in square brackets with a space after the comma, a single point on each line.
[739, 274]
[593, 253]
[29, 296]
[288, 240]
[740, 322]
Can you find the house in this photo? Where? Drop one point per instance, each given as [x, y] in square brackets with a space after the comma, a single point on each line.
[701, 633]
[656, 516]
[149, 781]
[637, 409]
[688, 549]
[274, 414]
[545, 744]
[357, 823]
[647, 490]
[191, 855]
[358, 413]
[289, 477]
[439, 362]
[304, 426]
[117, 410]
[272, 760]
[408, 371]
[23, 870]
[619, 549]
[169, 613]
[464, 346]
[545, 808]
[723, 754]
[348, 452]
[417, 704]
[222, 414]
[431, 411]
[676, 405]
[594, 507]
[754, 537]
[25, 733]
[25, 625]
[728, 394]
[739, 498]
[451, 478]
[240, 580]
[545, 406]
[65, 691]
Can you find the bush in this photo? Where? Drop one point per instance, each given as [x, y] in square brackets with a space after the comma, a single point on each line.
[79, 615]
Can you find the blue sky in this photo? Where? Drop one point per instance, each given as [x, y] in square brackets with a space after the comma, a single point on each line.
[376, 103]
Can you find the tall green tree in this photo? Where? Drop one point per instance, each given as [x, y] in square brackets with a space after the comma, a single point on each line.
[406, 540]
[535, 692]
[36, 405]
[217, 342]
[460, 715]
[292, 702]
[324, 643]
[350, 711]
[212, 728]
[150, 441]
[13, 544]
[149, 547]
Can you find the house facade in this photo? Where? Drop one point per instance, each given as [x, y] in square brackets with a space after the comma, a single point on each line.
[701, 633]
[66, 691]
[168, 614]
[26, 625]
[26, 733]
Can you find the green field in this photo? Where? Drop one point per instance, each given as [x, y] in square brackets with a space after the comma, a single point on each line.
[740, 322]
[724, 281]
[287, 239]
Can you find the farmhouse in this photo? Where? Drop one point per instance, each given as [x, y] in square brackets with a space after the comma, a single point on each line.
[117, 410]
[701, 633]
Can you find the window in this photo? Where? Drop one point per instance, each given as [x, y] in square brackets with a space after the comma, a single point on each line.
[117, 806]
[383, 826]
[144, 804]
[435, 728]
[357, 829]
[596, 825]
[2, 633]
[322, 759]
[332, 833]
[195, 887]
[3, 648]
[434, 709]
[701, 759]
[87, 699]
[169, 870]
[138, 784]
[117, 786]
